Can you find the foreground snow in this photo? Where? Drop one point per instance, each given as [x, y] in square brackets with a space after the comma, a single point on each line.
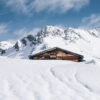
[48, 80]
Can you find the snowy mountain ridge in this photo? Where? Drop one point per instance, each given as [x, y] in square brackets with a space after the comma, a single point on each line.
[85, 42]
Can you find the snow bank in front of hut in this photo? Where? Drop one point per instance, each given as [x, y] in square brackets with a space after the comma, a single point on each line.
[48, 80]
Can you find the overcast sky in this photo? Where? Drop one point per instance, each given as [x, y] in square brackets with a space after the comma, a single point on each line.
[19, 17]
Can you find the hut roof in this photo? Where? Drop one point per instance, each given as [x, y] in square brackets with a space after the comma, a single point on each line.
[55, 48]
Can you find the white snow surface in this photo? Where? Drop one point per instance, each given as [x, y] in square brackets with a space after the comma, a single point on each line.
[48, 80]
[5, 45]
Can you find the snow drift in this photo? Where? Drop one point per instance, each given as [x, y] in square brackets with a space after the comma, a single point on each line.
[48, 80]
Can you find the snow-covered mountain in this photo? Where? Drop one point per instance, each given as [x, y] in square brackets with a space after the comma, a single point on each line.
[85, 42]
[4, 45]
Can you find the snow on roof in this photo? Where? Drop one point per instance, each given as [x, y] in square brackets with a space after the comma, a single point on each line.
[54, 48]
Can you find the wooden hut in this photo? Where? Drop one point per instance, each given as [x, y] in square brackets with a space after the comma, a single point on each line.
[57, 54]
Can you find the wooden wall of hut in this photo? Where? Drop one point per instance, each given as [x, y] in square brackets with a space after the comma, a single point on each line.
[56, 54]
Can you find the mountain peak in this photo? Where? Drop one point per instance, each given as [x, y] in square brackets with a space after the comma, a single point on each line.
[76, 40]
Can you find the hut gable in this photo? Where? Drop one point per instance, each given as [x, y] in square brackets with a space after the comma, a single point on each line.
[57, 54]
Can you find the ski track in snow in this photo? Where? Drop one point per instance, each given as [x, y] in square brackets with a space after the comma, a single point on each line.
[47, 80]
[75, 85]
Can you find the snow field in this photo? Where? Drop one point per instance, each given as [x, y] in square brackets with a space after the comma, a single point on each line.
[48, 80]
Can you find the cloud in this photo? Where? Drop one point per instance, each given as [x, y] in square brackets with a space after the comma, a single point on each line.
[3, 28]
[21, 32]
[58, 5]
[18, 5]
[27, 6]
[34, 31]
[92, 21]
[24, 31]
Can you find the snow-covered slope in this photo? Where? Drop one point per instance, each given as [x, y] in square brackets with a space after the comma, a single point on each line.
[85, 42]
[4, 45]
[48, 80]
